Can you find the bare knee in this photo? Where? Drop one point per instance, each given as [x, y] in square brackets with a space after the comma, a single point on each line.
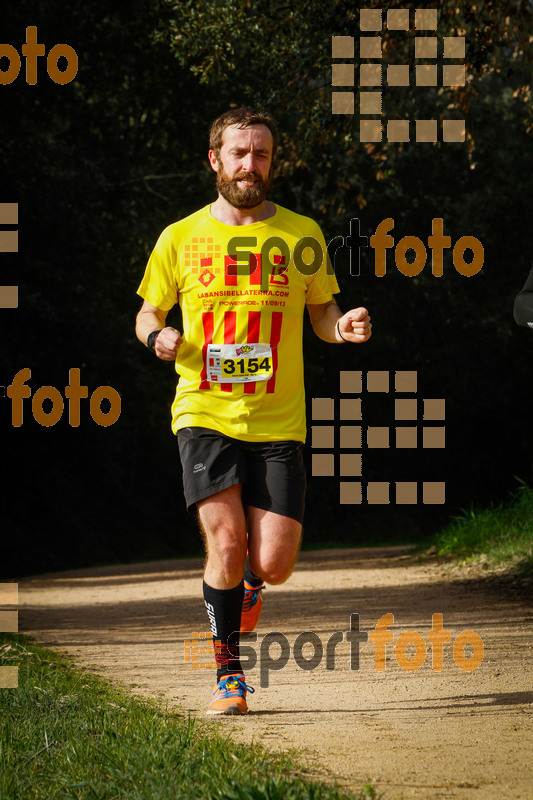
[227, 550]
[226, 553]
[273, 572]
[274, 541]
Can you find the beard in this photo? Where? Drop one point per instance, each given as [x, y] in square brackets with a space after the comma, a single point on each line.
[247, 197]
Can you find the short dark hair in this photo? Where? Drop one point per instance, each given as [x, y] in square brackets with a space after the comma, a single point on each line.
[243, 117]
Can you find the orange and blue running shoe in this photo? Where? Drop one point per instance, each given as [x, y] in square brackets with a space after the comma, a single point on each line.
[229, 695]
[252, 605]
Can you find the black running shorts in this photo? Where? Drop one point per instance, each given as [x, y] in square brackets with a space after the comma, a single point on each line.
[272, 473]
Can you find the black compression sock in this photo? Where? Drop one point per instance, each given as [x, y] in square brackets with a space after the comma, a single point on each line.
[249, 576]
[224, 611]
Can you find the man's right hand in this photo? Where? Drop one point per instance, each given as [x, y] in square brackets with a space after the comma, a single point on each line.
[167, 344]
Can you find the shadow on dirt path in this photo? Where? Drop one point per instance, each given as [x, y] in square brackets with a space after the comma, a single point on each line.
[414, 733]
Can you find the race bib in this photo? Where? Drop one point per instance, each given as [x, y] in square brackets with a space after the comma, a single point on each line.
[239, 363]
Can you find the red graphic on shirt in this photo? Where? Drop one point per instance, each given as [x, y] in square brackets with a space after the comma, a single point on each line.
[230, 324]
[275, 335]
[230, 271]
[252, 337]
[255, 269]
[208, 323]
[277, 277]
[206, 278]
[254, 326]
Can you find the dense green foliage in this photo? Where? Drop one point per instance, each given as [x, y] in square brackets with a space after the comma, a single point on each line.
[99, 166]
[65, 733]
[500, 534]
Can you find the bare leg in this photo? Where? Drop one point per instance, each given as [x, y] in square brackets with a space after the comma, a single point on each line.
[273, 544]
[224, 527]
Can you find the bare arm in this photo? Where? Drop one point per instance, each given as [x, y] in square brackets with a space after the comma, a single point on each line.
[354, 326]
[168, 341]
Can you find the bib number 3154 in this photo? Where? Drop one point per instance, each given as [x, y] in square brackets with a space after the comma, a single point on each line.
[239, 363]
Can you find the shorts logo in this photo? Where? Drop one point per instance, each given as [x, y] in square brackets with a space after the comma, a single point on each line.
[198, 468]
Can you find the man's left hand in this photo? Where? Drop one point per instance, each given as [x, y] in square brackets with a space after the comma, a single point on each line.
[354, 326]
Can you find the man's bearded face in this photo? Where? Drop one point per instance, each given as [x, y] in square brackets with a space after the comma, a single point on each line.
[244, 189]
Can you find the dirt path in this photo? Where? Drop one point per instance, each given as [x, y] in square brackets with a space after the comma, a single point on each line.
[423, 734]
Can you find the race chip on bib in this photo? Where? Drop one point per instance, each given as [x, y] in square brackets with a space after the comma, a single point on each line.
[239, 363]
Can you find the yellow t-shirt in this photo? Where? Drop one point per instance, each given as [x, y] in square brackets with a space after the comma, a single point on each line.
[241, 361]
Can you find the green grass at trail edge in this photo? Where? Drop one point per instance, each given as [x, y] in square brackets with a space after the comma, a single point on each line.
[66, 734]
[500, 534]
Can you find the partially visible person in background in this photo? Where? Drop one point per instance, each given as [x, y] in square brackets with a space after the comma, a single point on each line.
[523, 304]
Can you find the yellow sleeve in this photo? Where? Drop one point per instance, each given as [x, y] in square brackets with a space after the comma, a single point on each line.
[323, 284]
[159, 285]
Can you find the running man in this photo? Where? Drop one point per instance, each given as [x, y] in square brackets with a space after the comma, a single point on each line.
[239, 411]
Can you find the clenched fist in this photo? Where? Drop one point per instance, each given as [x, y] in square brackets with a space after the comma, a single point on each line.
[354, 326]
[167, 343]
